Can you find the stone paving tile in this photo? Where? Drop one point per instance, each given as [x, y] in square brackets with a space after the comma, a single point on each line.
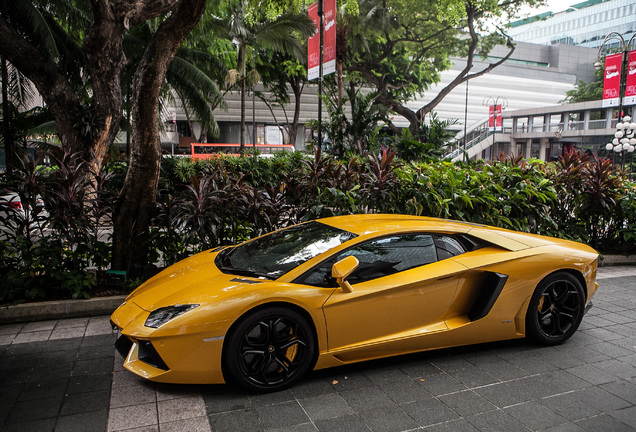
[601, 399]
[459, 425]
[198, 424]
[568, 406]
[627, 416]
[82, 422]
[132, 395]
[286, 414]
[442, 383]
[429, 412]
[39, 326]
[180, 409]
[350, 423]
[467, 403]
[535, 416]
[232, 421]
[496, 420]
[368, 398]
[405, 392]
[603, 422]
[132, 416]
[11, 329]
[473, 376]
[32, 336]
[592, 374]
[326, 406]
[66, 333]
[503, 395]
[391, 418]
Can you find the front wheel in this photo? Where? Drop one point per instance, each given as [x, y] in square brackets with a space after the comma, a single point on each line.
[556, 309]
[270, 349]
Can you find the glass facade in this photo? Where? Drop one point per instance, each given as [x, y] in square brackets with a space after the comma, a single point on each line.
[584, 24]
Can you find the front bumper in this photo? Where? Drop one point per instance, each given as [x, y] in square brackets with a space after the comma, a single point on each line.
[184, 355]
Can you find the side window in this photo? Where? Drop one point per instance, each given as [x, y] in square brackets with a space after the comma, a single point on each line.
[448, 247]
[378, 258]
[391, 255]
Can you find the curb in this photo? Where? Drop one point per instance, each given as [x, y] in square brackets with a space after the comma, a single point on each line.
[617, 260]
[60, 309]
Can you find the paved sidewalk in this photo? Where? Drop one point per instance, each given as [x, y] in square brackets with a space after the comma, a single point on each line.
[64, 376]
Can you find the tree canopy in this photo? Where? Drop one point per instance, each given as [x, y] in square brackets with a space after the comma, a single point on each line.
[399, 47]
[95, 62]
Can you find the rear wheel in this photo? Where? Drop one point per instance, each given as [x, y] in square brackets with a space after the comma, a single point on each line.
[556, 309]
[270, 349]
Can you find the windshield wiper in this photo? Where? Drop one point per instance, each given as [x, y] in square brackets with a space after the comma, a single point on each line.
[244, 272]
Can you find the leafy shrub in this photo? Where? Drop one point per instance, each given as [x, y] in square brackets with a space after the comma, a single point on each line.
[47, 249]
[46, 252]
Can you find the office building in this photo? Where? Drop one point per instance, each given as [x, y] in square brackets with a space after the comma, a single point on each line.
[583, 24]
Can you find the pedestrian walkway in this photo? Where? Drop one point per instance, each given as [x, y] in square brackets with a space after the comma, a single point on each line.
[65, 376]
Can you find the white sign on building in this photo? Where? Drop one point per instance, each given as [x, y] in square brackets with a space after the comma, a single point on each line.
[273, 135]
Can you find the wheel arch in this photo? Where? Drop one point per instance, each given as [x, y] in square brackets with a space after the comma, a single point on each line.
[577, 274]
[281, 304]
[555, 334]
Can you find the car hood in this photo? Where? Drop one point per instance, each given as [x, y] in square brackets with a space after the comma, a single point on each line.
[194, 280]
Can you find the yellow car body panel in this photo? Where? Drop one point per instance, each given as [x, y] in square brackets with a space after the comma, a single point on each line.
[422, 308]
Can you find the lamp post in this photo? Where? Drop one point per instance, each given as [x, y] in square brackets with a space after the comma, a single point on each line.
[496, 103]
[624, 139]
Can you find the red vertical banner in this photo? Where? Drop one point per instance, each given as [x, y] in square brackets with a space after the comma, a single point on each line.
[491, 118]
[498, 119]
[313, 45]
[630, 84]
[612, 80]
[329, 47]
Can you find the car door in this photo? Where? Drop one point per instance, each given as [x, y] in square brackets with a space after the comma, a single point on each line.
[401, 290]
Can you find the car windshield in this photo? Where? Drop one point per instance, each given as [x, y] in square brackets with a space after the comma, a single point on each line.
[273, 255]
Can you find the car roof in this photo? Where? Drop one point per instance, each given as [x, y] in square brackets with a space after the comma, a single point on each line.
[362, 224]
[385, 224]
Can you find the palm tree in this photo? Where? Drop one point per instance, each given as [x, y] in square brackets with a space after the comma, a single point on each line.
[282, 34]
[358, 20]
[190, 77]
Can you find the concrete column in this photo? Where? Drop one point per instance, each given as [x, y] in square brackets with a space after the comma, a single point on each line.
[527, 149]
[544, 145]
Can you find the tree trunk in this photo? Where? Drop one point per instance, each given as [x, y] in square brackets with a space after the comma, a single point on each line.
[7, 133]
[55, 89]
[293, 130]
[135, 206]
[242, 141]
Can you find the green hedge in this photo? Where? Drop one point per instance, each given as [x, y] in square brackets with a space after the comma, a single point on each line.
[204, 204]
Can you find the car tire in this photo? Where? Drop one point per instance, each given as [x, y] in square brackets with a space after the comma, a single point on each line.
[555, 310]
[270, 349]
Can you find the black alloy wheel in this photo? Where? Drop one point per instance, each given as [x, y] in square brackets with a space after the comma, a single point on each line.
[556, 309]
[270, 349]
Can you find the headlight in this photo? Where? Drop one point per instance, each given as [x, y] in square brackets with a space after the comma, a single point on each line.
[159, 317]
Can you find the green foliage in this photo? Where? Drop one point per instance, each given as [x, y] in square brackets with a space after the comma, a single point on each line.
[47, 249]
[355, 131]
[427, 144]
[228, 200]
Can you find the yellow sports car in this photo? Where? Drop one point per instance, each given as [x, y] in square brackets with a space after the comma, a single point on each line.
[346, 289]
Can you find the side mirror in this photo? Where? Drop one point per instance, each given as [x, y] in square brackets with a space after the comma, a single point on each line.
[342, 269]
